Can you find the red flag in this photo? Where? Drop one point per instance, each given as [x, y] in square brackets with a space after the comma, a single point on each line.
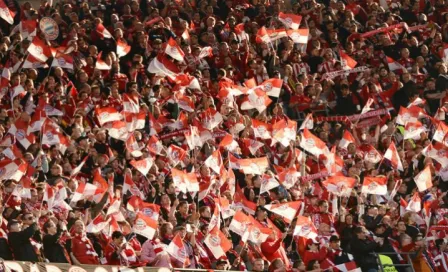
[103, 32]
[177, 250]
[145, 226]
[39, 49]
[129, 186]
[173, 50]
[305, 228]
[340, 185]
[63, 61]
[97, 224]
[217, 243]
[286, 210]
[347, 62]
[374, 185]
[100, 63]
[313, 144]
[290, 20]
[144, 165]
[6, 14]
[424, 179]
[107, 114]
[392, 155]
[122, 48]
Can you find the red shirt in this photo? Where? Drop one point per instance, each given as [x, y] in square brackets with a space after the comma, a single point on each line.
[111, 254]
[83, 250]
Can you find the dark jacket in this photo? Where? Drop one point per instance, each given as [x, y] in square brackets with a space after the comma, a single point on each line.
[21, 245]
[361, 250]
[54, 251]
[5, 250]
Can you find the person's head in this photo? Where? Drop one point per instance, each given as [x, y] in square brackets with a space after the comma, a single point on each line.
[14, 226]
[221, 264]
[205, 212]
[78, 227]
[50, 227]
[401, 226]
[183, 207]
[405, 239]
[117, 238]
[360, 233]
[27, 218]
[335, 242]
[323, 206]
[277, 265]
[258, 265]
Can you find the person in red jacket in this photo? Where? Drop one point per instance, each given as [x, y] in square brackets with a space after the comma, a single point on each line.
[113, 249]
[314, 253]
[82, 249]
[273, 248]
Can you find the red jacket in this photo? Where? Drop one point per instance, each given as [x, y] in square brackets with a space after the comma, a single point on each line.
[320, 256]
[273, 250]
[111, 254]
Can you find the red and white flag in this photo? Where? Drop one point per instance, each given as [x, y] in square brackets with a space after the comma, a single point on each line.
[284, 132]
[12, 169]
[185, 182]
[287, 210]
[370, 154]
[415, 204]
[162, 66]
[63, 61]
[103, 32]
[438, 152]
[289, 177]
[313, 144]
[107, 114]
[305, 228]
[394, 65]
[39, 49]
[97, 224]
[409, 115]
[33, 63]
[135, 121]
[144, 165]
[308, 123]
[84, 191]
[290, 20]
[441, 133]
[78, 168]
[193, 138]
[255, 166]
[214, 161]
[177, 250]
[374, 185]
[348, 63]
[211, 118]
[52, 135]
[252, 145]
[129, 186]
[118, 130]
[173, 50]
[272, 86]
[131, 103]
[263, 36]
[100, 63]
[239, 222]
[257, 99]
[122, 48]
[348, 267]
[261, 130]
[20, 131]
[347, 138]
[300, 36]
[217, 243]
[403, 206]
[229, 143]
[206, 51]
[145, 226]
[392, 155]
[6, 14]
[154, 145]
[184, 102]
[413, 130]
[136, 204]
[424, 179]
[268, 182]
[340, 185]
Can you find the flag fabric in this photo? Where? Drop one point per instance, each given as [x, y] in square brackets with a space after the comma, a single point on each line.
[424, 179]
[348, 63]
[268, 183]
[410, 115]
[145, 226]
[206, 51]
[261, 130]
[300, 36]
[313, 144]
[177, 250]
[143, 165]
[340, 185]
[374, 185]
[438, 152]
[136, 204]
[39, 49]
[214, 161]
[368, 106]
[263, 36]
[78, 168]
[305, 228]
[308, 123]
[289, 177]
[34, 63]
[122, 48]
[413, 130]
[284, 132]
[12, 169]
[440, 133]
[103, 32]
[348, 267]
[20, 131]
[130, 103]
[217, 243]
[84, 191]
[254, 166]
[97, 224]
[394, 65]
[129, 186]
[173, 50]
[257, 99]
[272, 86]
[185, 182]
[290, 20]
[347, 138]
[100, 63]
[370, 154]
[118, 130]
[162, 66]
[6, 14]
[415, 204]
[107, 114]
[193, 138]
[63, 61]
[287, 210]
[392, 155]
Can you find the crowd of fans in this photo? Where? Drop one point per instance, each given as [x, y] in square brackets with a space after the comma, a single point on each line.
[259, 135]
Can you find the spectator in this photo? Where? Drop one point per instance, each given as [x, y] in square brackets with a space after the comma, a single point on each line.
[54, 243]
[21, 239]
[82, 251]
[363, 249]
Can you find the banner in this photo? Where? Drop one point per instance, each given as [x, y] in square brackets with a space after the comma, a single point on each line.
[334, 74]
[352, 118]
[322, 174]
[11, 266]
[383, 29]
